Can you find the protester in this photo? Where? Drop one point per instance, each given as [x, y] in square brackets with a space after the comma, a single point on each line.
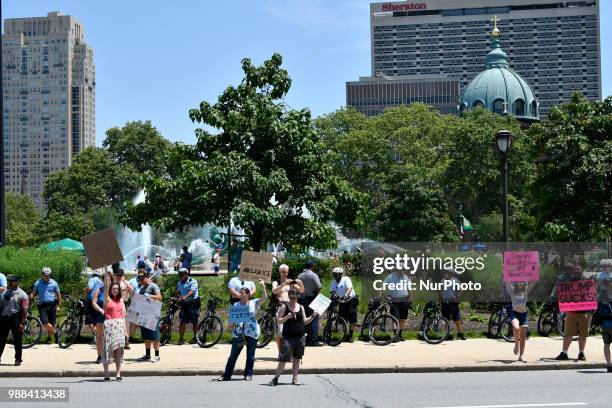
[93, 283]
[150, 337]
[3, 283]
[217, 260]
[342, 286]
[245, 334]
[49, 302]
[312, 287]
[576, 323]
[135, 285]
[186, 258]
[190, 304]
[114, 327]
[13, 314]
[236, 284]
[293, 319]
[126, 292]
[399, 296]
[520, 318]
[450, 302]
[97, 317]
[280, 289]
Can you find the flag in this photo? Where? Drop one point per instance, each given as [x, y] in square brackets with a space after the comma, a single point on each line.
[465, 225]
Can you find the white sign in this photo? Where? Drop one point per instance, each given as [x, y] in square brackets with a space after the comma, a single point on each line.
[239, 313]
[320, 304]
[144, 311]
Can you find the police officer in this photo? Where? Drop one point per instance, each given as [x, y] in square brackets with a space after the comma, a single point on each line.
[13, 314]
[49, 302]
[190, 304]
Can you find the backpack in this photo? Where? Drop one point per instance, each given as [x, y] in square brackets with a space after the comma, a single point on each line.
[141, 264]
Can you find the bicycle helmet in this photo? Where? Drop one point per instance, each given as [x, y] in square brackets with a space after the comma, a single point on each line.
[183, 271]
[46, 271]
[337, 271]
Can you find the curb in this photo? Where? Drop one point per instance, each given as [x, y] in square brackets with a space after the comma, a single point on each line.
[328, 370]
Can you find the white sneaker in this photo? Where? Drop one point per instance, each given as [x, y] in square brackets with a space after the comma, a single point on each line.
[155, 359]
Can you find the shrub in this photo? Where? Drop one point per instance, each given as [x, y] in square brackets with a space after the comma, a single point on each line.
[27, 263]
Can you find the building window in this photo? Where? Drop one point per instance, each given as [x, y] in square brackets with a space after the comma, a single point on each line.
[479, 104]
[519, 107]
[498, 106]
[534, 109]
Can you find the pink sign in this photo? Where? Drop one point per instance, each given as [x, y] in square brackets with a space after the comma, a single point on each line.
[521, 266]
[577, 295]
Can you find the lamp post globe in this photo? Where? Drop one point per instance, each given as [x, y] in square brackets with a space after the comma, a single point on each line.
[504, 141]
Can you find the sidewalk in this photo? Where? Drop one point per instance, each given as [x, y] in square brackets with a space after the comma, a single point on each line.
[359, 357]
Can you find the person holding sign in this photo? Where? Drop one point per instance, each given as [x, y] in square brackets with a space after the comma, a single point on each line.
[151, 337]
[115, 331]
[576, 322]
[293, 318]
[245, 333]
[520, 319]
[343, 287]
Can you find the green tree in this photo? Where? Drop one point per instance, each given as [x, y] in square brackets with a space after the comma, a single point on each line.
[21, 218]
[58, 226]
[93, 180]
[138, 144]
[573, 183]
[266, 166]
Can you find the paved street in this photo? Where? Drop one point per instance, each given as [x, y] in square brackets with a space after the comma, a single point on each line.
[588, 388]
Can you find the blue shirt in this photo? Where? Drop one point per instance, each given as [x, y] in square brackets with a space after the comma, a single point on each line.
[93, 283]
[46, 290]
[186, 259]
[3, 283]
[250, 328]
[185, 288]
[135, 285]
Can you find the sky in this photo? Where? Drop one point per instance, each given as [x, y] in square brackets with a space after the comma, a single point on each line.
[157, 59]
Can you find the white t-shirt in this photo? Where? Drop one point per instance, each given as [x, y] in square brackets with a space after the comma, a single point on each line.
[397, 278]
[342, 287]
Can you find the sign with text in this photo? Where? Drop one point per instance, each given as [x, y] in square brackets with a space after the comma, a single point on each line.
[239, 313]
[320, 304]
[144, 312]
[521, 266]
[255, 266]
[578, 295]
[102, 248]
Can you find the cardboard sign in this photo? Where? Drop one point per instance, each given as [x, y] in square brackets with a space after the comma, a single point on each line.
[239, 313]
[521, 266]
[102, 248]
[575, 296]
[255, 266]
[144, 311]
[320, 304]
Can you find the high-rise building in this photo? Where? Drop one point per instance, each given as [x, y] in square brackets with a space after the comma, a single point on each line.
[553, 44]
[371, 95]
[49, 89]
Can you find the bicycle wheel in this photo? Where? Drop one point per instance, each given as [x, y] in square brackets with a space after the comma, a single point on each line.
[31, 332]
[493, 327]
[365, 326]
[68, 332]
[506, 330]
[546, 322]
[165, 330]
[210, 332]
[384, 329]
[268, 329]
[437, 329]
[336, 329]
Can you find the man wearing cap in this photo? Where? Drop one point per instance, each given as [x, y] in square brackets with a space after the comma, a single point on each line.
[312, 287]
[190, 304]
[49, 302]
[342, 286]
[13, 314]
[150, 337]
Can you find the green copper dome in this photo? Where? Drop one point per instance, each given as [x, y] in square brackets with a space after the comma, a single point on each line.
[500, 89]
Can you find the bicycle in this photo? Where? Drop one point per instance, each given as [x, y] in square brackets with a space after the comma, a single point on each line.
[498, 315]
[434, 327]
[210, 329]
[32, 332]
[383, 327]
[373, 304]
[167, 321]
[335, 328]
[267, 323]
[70, 329]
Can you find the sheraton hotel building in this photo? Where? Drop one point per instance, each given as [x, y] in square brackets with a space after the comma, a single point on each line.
[428, 51]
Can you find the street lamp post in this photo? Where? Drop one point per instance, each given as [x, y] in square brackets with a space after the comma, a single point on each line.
[504, 140]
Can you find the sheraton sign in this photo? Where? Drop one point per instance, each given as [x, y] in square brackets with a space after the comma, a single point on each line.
[403, 6]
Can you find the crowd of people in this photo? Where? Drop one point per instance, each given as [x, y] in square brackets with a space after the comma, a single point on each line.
[108, 295]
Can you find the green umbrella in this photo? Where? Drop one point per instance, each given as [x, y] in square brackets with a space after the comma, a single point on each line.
[66, 244]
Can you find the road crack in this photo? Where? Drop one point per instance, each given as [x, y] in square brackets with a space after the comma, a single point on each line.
[340, 392]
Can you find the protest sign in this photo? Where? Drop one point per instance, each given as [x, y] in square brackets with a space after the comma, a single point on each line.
[239, 313]
[578, 295]
[102, 248]
[320, 304]
[144, 312]
[521, 266]
[255, 266]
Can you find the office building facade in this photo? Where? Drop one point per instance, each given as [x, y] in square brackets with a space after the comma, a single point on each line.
[554, 45]
[49, 90]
